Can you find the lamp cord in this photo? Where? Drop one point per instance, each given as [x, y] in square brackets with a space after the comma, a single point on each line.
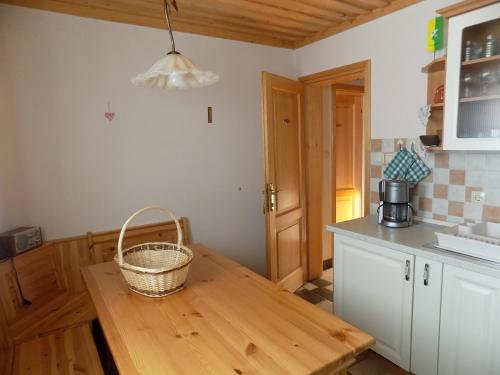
[165, 11]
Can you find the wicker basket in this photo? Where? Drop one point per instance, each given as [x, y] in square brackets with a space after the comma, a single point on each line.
[154, 269]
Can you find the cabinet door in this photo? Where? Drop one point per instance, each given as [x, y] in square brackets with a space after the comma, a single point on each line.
[472, 96]
[470, 323]
[426, 315]
[373, 288]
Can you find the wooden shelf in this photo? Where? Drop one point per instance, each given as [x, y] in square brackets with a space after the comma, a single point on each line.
[435, 65]
[481, 60]
[437, 106]
[434, 148]
[479, 98]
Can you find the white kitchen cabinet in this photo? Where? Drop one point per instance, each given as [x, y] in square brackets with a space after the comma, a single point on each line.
[426, 316]
[373, 289]
[470, 323]
[472, 95]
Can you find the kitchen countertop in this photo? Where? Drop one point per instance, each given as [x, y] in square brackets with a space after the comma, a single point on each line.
[417, 240]
[227, 320]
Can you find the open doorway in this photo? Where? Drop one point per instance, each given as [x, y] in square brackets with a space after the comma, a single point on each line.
[338, 137]
[343, 156]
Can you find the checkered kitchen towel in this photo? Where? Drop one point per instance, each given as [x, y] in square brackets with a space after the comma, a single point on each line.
[406, 166]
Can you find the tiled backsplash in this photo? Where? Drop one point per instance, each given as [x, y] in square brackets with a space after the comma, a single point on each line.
[446, 193]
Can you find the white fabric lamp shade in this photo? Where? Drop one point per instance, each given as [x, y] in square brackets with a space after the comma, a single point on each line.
[175, 71]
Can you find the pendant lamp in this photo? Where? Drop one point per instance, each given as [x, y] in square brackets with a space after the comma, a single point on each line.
[174, 71]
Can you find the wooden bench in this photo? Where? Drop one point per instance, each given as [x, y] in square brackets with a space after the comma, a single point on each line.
[71, 351]
[61, 310]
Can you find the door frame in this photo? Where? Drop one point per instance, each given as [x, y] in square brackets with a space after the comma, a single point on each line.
[313, 87]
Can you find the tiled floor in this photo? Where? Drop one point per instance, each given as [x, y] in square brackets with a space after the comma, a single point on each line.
[320, 293]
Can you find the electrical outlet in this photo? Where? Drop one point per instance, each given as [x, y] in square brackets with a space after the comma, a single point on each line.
[477, 196]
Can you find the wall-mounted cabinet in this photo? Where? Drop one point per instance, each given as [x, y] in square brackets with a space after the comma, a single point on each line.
[472, 110]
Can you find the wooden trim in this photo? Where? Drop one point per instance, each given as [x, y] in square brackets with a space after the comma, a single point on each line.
[336, 75]
[313, 85]
[367, 127]
[313, 102]
[464, 7]
[359, 20]
[342, 89]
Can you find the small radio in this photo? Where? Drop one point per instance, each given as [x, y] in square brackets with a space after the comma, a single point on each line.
[19, 240]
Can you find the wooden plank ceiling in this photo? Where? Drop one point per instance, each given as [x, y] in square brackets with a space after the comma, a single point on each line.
[282, 23]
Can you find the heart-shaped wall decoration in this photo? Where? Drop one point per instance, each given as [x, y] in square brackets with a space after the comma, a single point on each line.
[110, 116]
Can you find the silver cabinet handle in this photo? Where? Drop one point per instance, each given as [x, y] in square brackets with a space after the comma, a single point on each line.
[407, 270]
[426, 274]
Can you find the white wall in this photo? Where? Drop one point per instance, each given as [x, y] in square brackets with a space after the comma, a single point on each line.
[81, 173]
[396, 44]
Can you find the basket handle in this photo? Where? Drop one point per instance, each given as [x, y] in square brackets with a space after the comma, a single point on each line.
[149, 208]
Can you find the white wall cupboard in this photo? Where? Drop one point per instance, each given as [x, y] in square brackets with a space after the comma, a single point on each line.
[427, 317]
[472, 97]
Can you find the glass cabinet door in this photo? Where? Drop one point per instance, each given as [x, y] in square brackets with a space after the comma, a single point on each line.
[479, 95]
[472, 112]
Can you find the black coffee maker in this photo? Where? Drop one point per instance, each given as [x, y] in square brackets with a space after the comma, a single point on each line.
[395, 208]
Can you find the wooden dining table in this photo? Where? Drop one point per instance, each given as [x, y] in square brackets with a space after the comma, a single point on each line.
[227, 320]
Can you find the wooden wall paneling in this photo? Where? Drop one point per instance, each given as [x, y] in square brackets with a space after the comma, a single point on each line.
[37, 272]
[313, 98]
[5, 315]
[103, 245]
[71, 255]
[9, 293]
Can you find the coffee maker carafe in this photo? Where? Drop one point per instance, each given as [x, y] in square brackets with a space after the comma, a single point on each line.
[395, 209]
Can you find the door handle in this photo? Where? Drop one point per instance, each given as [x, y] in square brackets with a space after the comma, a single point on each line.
[407, 270]
[270, 198]
[426, 274]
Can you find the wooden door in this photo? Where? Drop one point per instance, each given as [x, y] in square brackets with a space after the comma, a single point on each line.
[284, 206]
[426, 316]
[373, 289]
[470, 323]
